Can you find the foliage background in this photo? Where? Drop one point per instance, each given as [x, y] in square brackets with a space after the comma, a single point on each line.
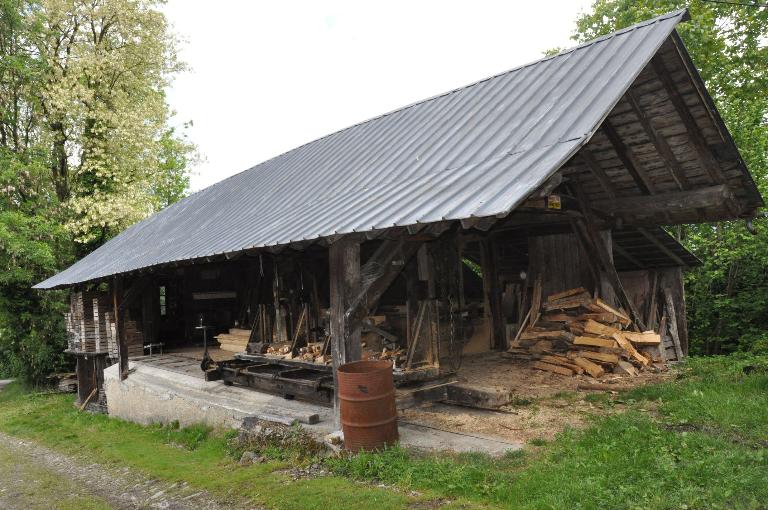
[727, 297]
[86, 149]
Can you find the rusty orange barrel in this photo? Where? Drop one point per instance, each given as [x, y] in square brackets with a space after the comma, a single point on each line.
[367, 401]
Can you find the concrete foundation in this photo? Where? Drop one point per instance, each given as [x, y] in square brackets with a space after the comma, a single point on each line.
[152, 395]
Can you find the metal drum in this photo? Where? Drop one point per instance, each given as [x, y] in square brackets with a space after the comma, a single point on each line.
[367, 401]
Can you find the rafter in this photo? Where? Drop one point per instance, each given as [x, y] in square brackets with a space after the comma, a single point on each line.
[628, 159]
[658, 141]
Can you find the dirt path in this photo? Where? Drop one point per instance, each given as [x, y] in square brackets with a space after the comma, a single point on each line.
[34, 477]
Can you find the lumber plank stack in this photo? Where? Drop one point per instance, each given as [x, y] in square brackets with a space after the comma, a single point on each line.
[574, 334]
[90, 323]
[236, 340]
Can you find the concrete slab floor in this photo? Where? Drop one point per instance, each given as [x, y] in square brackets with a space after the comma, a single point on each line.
[151, 395]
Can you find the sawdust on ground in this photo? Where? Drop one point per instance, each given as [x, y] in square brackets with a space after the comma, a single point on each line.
[543, 404]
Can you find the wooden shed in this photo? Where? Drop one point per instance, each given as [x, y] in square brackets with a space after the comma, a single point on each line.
[447, 227]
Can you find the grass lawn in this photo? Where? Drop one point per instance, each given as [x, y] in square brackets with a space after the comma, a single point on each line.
[700, 441]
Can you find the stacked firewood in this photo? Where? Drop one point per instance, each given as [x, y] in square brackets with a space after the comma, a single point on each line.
[572, 333]
[396, 355]
[313, 352]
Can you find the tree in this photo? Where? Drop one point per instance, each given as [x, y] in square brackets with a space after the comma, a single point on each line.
[728, 295]
[85, 151]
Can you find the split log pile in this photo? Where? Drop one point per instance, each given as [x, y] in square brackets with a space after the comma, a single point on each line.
[314, 352]
[236, 340]
[572, 333]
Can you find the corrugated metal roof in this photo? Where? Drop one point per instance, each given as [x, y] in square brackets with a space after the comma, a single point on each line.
[475, 151]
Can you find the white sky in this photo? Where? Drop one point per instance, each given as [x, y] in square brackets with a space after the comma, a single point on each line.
[268, 76]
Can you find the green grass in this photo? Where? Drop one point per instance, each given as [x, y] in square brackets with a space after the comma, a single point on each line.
[700, 441]
[194, 455]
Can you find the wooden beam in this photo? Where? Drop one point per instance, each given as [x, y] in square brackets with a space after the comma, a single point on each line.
[627, 158]
[492, 293]
[712, 196]
[699, 144]
[344, 276]
[598, 172]
[658, 141]
[669, 253]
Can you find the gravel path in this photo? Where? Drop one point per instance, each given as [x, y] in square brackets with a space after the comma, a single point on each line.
[32, 476]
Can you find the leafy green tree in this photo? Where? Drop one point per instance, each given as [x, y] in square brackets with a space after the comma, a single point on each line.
[85, 151]
[728, 295]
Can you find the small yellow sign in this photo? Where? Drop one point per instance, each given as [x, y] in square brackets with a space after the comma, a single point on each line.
[553, 202]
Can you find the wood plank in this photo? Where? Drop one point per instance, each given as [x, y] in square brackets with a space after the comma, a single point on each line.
[627, 346]
[563, 362]
[552, 368]
[591, 368]
[603, 357]
[644, 338]
[566, 293]
[608, 308]
[596, 328]
[594, 341]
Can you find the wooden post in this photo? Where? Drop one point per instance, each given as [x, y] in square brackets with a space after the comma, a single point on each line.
[344, 274]
[122, 347]
[492, 293]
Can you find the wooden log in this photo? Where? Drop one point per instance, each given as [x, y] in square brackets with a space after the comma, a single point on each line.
[476, 396]
[602, 387]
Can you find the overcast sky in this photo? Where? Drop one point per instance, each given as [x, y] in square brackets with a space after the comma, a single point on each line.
[266, 77]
